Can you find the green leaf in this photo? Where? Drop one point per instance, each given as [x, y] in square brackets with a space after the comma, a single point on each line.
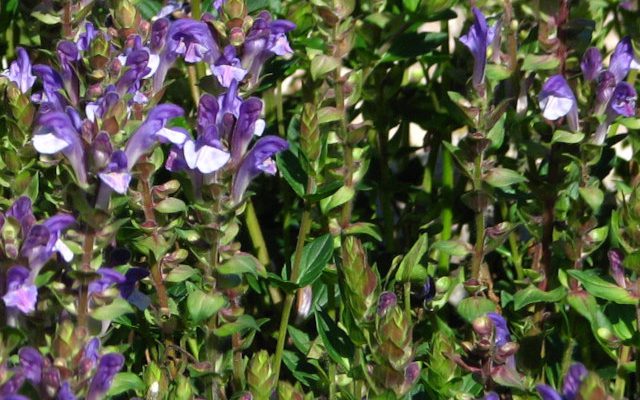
[291, 168]
[315, 257]
[171, 205]
[560, 136]
[243, 322]
[632, 261]
[412, 259]
[124, 382]
[243, 263]
[532, 294]
[118, 307]
[601, 288]
[48, 19]
[300, 339]
[343, 195]
[534, 62]
[180, 273]
[323, 64]
[364, 228]
[631, 123]
[474, 307]
[503, 177]
[592, 196]
[496, 133]
[202, 306]
[497, 72]
[335, 340]
[452, 247]
[413, 45]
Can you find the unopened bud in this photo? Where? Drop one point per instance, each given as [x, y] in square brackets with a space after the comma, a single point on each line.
[385, 302]
[260, 377]
[396, 338]
[125, 14]
[235, 9]
[482, 326]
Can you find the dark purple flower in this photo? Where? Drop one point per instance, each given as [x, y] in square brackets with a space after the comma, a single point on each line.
[572, 382]
[491, 396]
[116, 175]
[90, 357]
[623, 100]
[31, 362]
[109, 365]
[557, 100]
[615, 267]
[247, 125]
[159, 31]
[19, 71]
[411, 373]
[153, 130]
[265, 39]
[65, 392]
[604, 90]
[257, 160]
[385, 302]
[426, 291]
[501, 335]
[11, 386]
[132, 277]
[20, 294]
[44, 240]
[109, 277]
[21, 210]
[591, 64]
[229, 105]
[622, 59]
[86, 37]
[52, 85]
[56, 133]
[477, 40]
[68, 56]
[548, 393]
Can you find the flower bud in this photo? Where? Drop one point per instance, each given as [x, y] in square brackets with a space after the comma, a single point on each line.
[260, 377]
[360, 281]
[235, 9]
[51, 380]
[385, 302]
[288, 391]
[482, 326]
[395, 336]
[125, 14]
[183, 389]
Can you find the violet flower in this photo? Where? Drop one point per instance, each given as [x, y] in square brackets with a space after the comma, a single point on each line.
[19, 71]
[51, 97]
[385, 302]
[20, 294]
[591, 64]
[65, 392]
[108, 366]
[116, 175]
[44, 240]
[56, 133]
[85, 38]
[622, 59]
[477, 40]
[257, 160]
[604, 89]
[109, 277]
[68, 56]
[154, 130]
[32, 363]
[557, 100]
[621, 103]
[228, 68]
[572, 382]
[189, 39]
[501, 332]
[265, 39]
[247, 125]
[615, 267]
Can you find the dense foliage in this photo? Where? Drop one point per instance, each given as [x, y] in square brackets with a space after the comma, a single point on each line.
[340, 199]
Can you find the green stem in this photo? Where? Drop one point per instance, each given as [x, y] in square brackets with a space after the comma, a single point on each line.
[193, 84]
[279, 109]
[478, 253]
[621, 376]
[83, 298]
[446, 215]
[305, 226]
[196, 14]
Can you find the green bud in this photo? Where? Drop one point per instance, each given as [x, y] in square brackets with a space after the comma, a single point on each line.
[235, 9]
[395, 336]
[99, 52]
[125, 14]
[10, 237]
[360, 281]
[21, 107]
[482, 326]
[288, 391]
[183, 389]
[310, 132]
[260, 377]
[592, 388]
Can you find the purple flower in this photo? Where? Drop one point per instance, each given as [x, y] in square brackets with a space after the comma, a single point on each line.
[623, 100]
[557, 100]
[50, 98]
[116, 175]
[109, 365]
[44, 240]
[204, 157]
[189, 39]
[90, 357]
[257, 160]
[20, 71]
[159, 31]
[22, 211]
[572, 382]
[247, 124]
[56, 133]
[31, 362]
[68, 56]
[477, 40]
[501, 335]
[591, 64]
[11, 386]
[615, 267]
[228, 68]
[109, 277]
[20, 295]
[65, 392]
[152, 130]
[622, 59]
[385, 302]
[604, 89]
[265, 39]
[86, 37]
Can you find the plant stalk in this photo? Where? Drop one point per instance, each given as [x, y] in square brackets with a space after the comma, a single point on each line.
[478, 253]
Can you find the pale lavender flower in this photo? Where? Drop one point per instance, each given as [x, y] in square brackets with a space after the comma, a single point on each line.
[477, 40]
[116, 175]
[228, 68]
[591, 64]
[19, 71]
[56, 133]
[557, 100]
[256, 161]
[20, 294]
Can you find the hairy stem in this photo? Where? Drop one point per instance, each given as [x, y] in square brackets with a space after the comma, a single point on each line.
[478, 253]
